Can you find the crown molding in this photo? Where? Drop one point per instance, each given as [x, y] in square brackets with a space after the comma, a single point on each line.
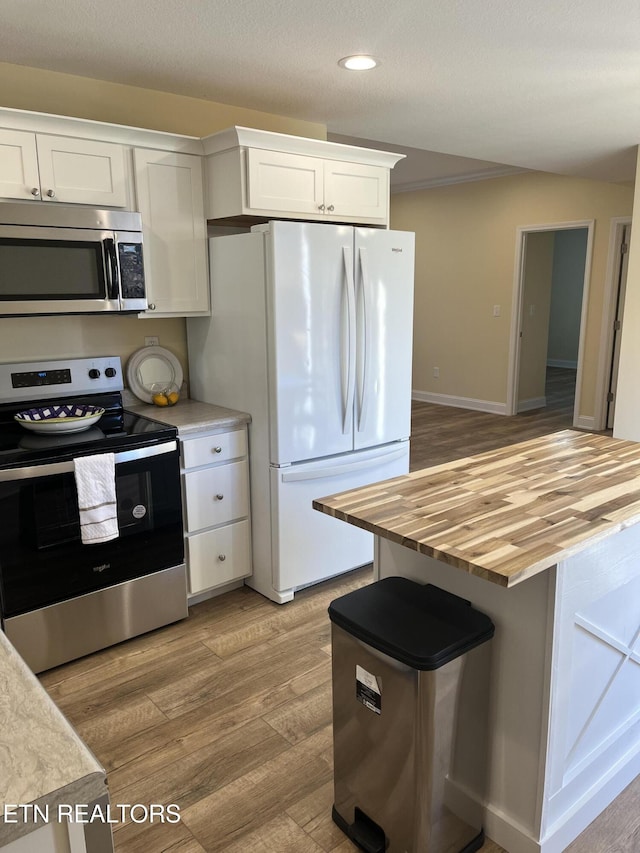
[467, 177]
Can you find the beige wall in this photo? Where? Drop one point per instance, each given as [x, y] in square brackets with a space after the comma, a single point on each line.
[67, 95]
[465, 256]
[24, 338]
[63, 94]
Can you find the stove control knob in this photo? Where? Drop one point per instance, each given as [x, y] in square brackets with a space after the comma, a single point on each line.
[110, 372]
[94, 373]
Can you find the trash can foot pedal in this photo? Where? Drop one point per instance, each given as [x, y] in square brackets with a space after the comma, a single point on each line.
[364, 832]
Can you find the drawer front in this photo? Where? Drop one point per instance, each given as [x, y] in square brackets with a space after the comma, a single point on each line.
[216, 495]
[214, 448]
[218, 556]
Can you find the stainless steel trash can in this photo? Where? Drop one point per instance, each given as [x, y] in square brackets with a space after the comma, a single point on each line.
[410, 668]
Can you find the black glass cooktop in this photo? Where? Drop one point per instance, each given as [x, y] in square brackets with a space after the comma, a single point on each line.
[116, 430]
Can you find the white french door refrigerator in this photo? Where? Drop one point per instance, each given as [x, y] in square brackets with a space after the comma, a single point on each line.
[311, 333]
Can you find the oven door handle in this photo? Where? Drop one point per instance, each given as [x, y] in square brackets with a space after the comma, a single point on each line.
[32, 472]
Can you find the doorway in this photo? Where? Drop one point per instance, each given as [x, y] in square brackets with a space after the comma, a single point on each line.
[549, 309]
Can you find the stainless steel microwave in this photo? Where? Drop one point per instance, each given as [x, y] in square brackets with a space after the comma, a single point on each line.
[57, 259]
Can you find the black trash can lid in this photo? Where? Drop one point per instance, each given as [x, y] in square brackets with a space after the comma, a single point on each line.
[422, 626]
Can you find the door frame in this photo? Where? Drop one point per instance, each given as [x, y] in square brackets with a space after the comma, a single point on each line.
[609, 305]
[517, 305]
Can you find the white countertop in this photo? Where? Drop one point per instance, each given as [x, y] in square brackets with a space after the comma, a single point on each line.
[42, 759]
[190, 416]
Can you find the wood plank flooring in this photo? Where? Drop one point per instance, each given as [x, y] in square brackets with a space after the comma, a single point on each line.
[228, 714]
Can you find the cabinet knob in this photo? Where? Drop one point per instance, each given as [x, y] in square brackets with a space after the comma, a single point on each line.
[151, 306]
[51, 193]
[222, 557]
[219, 497]
[35, 192]
[321, 207]
[330, 208]
[217, 450]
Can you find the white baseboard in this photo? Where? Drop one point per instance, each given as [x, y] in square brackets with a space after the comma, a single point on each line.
[460, 402]
[533, 403]
[559, 362]
[585, 422]
[515, 838]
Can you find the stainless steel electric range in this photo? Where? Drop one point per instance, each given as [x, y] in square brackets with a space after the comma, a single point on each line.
[61, 598]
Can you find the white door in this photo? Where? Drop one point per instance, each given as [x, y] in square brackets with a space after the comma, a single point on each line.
[19, 176]
[311, 330]
[282, 182]
[384, 272]
[357, 191]
[82, 171]
[170, 200]
[307, 545]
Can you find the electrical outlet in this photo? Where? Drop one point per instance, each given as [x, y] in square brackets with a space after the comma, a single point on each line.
[151, 341]
[496, 310]
[436, 373]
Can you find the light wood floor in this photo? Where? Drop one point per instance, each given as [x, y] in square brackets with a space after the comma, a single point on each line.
[228, 714]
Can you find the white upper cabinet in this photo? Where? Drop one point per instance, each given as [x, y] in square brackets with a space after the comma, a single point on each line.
[284, 182]
[253, 173]
[19, 176]
[49, 168]
[169, 190]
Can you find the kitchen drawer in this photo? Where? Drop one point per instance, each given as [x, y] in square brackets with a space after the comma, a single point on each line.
[216, 495]
[218, 556]
[214, 448]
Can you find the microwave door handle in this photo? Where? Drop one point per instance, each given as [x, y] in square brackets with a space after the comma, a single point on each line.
[113, 281]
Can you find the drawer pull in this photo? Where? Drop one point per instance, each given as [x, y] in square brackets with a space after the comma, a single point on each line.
[222, 557]
[219, 497]
[217, 450]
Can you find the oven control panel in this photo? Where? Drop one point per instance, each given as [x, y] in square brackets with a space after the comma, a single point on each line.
[50, 379]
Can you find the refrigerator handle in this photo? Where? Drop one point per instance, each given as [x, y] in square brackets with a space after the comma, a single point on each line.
[344, 468]
[347, 398]
[363, 398]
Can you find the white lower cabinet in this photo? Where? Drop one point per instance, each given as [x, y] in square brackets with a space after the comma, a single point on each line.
[215, 477]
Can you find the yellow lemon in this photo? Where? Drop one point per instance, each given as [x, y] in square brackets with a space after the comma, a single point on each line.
[160, 400]
[173, 398]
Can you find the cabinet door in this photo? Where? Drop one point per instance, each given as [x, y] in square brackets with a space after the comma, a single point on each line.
[81, 171]
[170, 200]
[290, 183]
[18, 165]
[353, 191]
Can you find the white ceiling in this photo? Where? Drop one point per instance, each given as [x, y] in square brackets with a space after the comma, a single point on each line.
[543, 84]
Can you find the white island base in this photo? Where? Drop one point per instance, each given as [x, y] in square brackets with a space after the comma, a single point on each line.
[565, 687]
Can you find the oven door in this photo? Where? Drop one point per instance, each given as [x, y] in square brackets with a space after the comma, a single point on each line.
[42, 558]
[58, 270]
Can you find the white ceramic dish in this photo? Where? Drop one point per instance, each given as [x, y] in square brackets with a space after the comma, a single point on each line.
[151, 369]
[59, 418]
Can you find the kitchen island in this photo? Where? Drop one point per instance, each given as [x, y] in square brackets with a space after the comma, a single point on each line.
[543, 536]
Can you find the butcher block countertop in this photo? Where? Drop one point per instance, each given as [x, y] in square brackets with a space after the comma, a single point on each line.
[507, 514]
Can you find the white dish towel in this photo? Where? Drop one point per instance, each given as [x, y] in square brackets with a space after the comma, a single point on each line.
[96, 487]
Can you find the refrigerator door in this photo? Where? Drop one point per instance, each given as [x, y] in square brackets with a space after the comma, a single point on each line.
[384, 271]
[311, 329]
[307, 545]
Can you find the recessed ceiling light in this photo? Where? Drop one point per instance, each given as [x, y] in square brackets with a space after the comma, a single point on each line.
[359, 62]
